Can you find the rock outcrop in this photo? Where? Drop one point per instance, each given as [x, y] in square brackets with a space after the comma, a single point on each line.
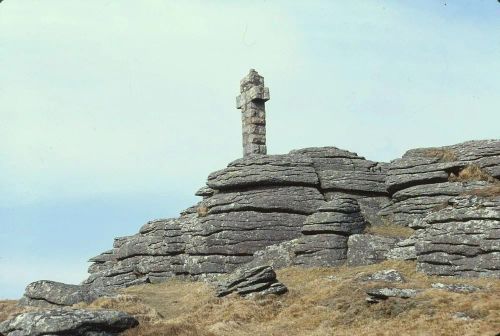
[325, 233]
[260, 280]
[256, 202]
[65, 321]
[311, 208]
[376, 295]
[462, 239]
[390, 275]
[425, 178]
[45, 293]
[366, 249]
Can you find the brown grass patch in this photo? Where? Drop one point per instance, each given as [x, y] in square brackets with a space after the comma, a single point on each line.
[202, 211]
[9, 308]
[490, 191]
[389, 229]
[315, 305]
[444, 155]
[472, 173]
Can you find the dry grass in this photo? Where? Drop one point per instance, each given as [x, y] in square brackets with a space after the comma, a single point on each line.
[472, 173]
[314, 305]
[202, 211]
[389, 229]
[444, 155]
[490, 191]
[8, 309]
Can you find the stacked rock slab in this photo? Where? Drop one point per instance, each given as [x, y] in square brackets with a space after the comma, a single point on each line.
[257, 201]
[64, 321]
[244, 281]
[152, 255]
[309, 207]
[425, 178]
[345, 173]
[325, 233]
[462, 239]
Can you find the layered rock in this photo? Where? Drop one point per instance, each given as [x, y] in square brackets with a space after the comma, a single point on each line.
[245, 281]
[256, 202]
[265, 170]
[325, 233]
[68, 322]
[389, 275]
[152, 255]
[341, 170]
[366, 249]
[427, 177]
[375, 295]
[462, 239]
[45, 293]
[318, 199]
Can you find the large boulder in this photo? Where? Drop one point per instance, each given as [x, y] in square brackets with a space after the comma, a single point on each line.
[45, 293]
[65, 321]
[325, 233]
[425, 178]
[462, 239]
[366, 249]
[265, 170]
[341, 170]
[154, 254]
[289, 199]
[244, 281]
[255, 202]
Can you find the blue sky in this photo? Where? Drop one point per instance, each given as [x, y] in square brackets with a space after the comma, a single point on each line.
[114, 112]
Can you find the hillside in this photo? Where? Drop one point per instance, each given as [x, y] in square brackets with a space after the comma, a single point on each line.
[320, 301]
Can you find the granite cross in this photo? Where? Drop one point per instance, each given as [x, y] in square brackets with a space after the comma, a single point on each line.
[251, 101]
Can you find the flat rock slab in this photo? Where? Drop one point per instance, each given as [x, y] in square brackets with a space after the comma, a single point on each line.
[290, 199]
[456, 288]
[342, 170]
[69, 322]
[404, 250]
[270, 170]
[341, 215]
[366, 249]
[45, 293]
[260, 279]
[321, 250]
[377, 294]
[390, 275]
[462, 239]
[242, 232]
[420, 180]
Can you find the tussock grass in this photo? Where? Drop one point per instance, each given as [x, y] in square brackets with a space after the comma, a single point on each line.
[390, 230]
[9, 308]
[202, 211]
[320, 301]
[472, 173]
[444, 155]
[490, 191]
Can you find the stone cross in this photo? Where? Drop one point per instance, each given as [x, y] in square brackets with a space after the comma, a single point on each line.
[251, 101]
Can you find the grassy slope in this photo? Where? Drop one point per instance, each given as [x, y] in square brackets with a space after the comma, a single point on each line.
[315, 305]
